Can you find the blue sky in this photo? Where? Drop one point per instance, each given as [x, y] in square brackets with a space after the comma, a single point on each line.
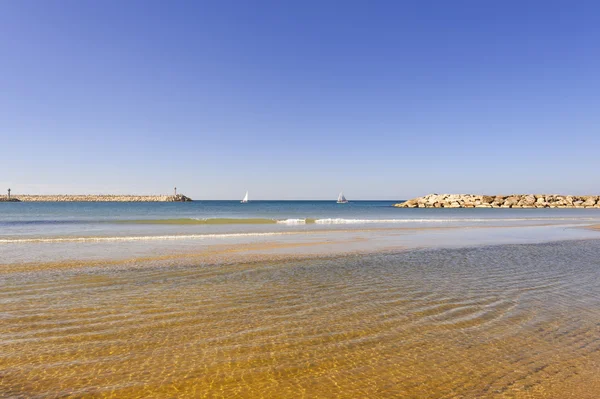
[385, 100]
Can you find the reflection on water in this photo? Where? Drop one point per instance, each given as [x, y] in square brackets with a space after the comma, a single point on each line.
[505, 321]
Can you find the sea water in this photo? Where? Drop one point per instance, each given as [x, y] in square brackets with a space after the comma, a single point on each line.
[43, 219]
[57, 231]
[297, 299]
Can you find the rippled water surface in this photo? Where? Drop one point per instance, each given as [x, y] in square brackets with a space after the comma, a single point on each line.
[505, 321]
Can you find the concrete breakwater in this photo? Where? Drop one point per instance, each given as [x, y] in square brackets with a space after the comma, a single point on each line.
[96, 198]
[502, 201]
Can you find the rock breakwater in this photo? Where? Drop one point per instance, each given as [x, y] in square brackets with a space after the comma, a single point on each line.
[502, 201]
[97, 198]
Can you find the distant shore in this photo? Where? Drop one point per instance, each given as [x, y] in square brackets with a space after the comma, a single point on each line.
[502, 201]
[95, 198]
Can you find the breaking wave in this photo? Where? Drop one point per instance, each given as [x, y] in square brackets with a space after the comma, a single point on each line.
[296, 221]
[303, 221]
[139, 238]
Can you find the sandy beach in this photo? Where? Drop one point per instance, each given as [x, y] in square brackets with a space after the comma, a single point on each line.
[476, 322]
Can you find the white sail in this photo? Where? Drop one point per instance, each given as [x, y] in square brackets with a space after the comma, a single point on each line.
[245, 198]
[341, 199]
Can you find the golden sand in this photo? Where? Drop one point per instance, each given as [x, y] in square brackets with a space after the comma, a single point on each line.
[313, 328]
[215, 255]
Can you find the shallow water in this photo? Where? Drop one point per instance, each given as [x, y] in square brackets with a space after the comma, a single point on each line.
[501, 321]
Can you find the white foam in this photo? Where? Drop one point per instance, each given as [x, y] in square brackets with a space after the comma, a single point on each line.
[455, 220]
[140, 238]
[292, 221]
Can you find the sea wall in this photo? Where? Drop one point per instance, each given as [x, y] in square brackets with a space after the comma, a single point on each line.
[96, 198]
[502, 201]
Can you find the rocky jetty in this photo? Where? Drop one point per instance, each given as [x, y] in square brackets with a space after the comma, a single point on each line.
[502, 201]
[96, 198]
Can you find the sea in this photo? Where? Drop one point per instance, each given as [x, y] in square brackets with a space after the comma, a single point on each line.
[292, 299]
[122, 219]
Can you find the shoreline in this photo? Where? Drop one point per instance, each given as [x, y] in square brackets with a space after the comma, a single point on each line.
[95, 198]
[299, 233]
[247, 255]
[288, 247]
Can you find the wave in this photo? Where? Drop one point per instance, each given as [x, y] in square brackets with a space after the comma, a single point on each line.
[220, 221]
[198, 221]
[139, 238]
[298, 221]
[301, 221]
[295, 221]
[455, 220]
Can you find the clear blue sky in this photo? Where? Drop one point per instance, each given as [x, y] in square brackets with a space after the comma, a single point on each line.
[300, 99]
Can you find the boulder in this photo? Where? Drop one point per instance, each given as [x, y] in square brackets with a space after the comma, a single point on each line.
[528, 200]
[487, 199]
[590, 201]
[432, 200]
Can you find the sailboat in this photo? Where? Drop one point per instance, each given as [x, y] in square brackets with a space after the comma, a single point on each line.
[342, 199]
[245, 200]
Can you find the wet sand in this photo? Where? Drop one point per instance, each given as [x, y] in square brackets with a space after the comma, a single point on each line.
[505, 321]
